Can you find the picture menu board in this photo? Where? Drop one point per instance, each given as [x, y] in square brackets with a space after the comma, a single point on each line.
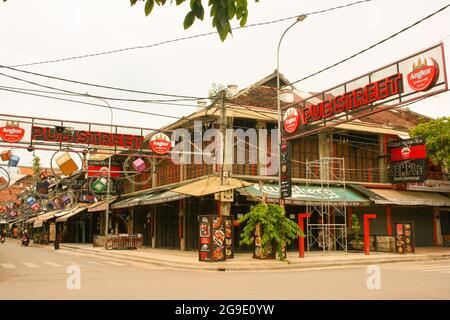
[216, 238]
[404, 237]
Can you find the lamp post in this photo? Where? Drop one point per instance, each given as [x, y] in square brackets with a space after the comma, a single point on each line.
[297, 20]
[108, 190]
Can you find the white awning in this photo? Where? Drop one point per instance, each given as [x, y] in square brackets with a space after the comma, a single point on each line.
[72, 213]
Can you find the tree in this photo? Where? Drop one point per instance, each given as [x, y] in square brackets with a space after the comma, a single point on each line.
[437, 137]
[275, 227]
[222, 12]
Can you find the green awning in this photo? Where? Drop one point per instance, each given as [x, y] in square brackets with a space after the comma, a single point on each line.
[302, 194]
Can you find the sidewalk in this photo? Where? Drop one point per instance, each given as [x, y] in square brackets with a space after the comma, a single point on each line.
[244, 261]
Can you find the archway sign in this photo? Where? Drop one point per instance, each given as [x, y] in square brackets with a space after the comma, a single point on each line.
[34, 133]
[412, 78]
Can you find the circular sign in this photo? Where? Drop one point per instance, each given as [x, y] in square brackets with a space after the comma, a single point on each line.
[423, 75]
[12, 133]
[160, 143]
[291, 120]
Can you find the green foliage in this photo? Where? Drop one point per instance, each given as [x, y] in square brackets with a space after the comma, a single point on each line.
[221, 11]
[275, 227]
[437, 136]
[36, 168]
[356, 227]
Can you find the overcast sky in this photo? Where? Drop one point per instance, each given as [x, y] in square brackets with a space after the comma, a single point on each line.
[51, 29]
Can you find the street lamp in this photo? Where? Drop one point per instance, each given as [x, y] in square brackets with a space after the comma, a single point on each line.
[108, 190]
[297, 20]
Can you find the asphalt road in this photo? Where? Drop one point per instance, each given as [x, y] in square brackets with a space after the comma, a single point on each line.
[40, 272]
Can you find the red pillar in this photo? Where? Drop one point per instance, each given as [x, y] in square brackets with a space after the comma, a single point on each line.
[389, 219]
[301, 240]
[367, 232]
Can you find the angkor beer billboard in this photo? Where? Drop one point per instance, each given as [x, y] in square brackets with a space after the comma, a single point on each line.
[417, 76]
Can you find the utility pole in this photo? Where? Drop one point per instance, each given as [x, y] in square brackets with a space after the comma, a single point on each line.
[224, 206]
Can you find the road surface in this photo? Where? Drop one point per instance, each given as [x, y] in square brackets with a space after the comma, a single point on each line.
[39, 272]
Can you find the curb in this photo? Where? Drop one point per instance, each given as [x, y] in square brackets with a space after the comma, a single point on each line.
[275, 265]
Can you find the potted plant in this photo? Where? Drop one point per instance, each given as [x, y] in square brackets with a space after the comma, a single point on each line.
[356, 243]
[267, 227]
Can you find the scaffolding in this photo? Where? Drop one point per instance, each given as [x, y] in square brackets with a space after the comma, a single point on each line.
[326, 226]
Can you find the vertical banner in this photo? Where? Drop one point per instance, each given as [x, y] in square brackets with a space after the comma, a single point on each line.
[285, 167]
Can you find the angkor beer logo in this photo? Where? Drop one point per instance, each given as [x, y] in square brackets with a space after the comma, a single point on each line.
[12, 133]
[160, 143]
[406, 151]
[291, 120]
[423, 75]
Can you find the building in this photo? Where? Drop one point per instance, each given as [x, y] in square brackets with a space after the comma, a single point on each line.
[169, 219]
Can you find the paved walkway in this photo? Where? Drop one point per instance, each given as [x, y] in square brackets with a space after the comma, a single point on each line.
[244, 261]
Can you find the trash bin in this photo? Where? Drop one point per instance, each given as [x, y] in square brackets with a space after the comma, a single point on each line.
[56, 245]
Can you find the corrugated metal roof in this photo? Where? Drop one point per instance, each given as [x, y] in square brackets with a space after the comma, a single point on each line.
[411, 198]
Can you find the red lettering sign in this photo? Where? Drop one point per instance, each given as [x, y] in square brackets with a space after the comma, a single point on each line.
[291, 120]
[160, 143]
[352, 100]
[423, 75]
[87, 137]
[12, 133]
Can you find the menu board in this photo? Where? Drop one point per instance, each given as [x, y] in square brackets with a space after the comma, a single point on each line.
[404, 237]
[205, 239]
[229, 245]
[216, 238]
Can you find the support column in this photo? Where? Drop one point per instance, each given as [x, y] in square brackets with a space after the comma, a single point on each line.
[349, 217]
[262, 148]
[437, 227]
[154, 229]
[182, 225]
[389, 219]
[382, 160]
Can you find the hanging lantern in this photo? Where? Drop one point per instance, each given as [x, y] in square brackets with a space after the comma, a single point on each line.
[66, 164]
[14, 161]
[66, 199]
[3, 182]
[31, 201]
[139, 165]
[44, 174]
[42, 187]
[100, 185]
[6, 155]
[51, 205]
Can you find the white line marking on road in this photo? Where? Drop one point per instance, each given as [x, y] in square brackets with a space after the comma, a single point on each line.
[52, 264]
[417, 267]
[115, 263]
[8, 265]
[31, 265]
[434, 270]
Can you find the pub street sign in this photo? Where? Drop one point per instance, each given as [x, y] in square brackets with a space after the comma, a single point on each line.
[406, 80]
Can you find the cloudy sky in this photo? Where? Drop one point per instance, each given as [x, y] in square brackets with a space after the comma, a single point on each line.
[43, 30]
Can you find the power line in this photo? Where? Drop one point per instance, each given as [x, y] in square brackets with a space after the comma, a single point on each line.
[184, 38]
[72, 93]
[92, 104]
[373, 45]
